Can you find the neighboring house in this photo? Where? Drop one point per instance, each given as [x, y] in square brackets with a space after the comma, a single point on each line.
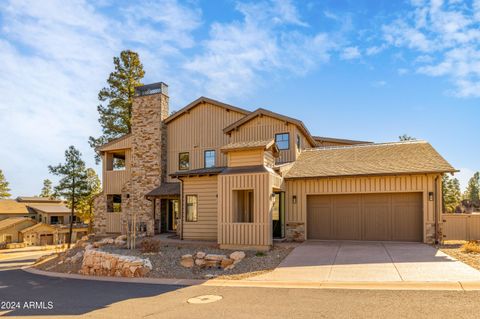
[52, 213]
[212, 171]
[10, 228]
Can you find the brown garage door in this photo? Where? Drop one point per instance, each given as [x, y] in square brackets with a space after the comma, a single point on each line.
[396, 217]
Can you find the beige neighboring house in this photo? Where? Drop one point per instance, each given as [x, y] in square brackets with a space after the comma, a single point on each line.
[41, 220]
[10, 228]
[213, 171]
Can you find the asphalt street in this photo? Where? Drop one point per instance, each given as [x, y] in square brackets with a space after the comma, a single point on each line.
[23, 294]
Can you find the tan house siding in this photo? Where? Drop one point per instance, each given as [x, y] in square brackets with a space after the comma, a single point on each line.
[246, 158]
[264, 128]
[115, 180]
[199, 130]
[296, 214]
[205, 188]
[256, 234]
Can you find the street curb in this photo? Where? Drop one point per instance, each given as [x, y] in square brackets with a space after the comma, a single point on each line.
[403, 285]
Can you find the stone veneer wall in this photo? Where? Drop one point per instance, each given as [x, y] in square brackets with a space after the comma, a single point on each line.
[100, 214]
[295, 231]
[148, 156]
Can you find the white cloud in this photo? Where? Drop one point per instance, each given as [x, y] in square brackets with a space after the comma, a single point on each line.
[373, 50]
[450, 32]
[350, 53]
[402, 71]
[237, 53]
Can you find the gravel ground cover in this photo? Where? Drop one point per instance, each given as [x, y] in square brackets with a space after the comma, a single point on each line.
[166, 263]
[454, 249]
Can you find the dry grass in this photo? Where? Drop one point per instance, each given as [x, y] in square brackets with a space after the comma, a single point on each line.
[471, 247]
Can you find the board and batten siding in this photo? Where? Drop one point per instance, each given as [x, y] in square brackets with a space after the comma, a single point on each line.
[199, 130]
[113, 181]
[256, 235]
[245, 158]
[264, 128]
[205, 188]
[425, 183]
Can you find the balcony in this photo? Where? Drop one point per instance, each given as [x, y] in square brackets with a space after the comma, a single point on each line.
[114, 181]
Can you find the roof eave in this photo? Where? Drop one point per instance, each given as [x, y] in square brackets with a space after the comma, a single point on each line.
[371, 174]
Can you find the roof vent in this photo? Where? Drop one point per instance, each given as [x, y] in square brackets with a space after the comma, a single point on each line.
[150, 89]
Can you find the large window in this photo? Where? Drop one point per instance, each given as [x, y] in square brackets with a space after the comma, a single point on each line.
[184, 161]
[114, 203]
[283, 141]
[192, 208]
[243, 206]
[209, 159]
[116, 161]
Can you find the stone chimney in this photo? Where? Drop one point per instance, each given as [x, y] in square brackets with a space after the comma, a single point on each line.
[149, 151]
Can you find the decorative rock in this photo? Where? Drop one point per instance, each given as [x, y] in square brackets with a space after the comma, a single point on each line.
[212, 257]
[187, 261]
[230, 267]
[200, 262]
[226, 263]
[237, 256]
[84, 238]
[200, 255]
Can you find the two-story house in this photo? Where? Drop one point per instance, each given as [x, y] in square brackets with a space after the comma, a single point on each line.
[213, 171]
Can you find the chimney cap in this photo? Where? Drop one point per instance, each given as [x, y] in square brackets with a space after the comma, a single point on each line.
[150, 89]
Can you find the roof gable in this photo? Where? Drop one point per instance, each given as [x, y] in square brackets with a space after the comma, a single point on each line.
[200, 101]
[12, 221]
[123, 142]
[264, 112]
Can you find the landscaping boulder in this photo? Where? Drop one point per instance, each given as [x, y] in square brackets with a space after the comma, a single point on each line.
[200, 255]
[237, 256]
[200, 262]
[212, 257]
[120, 240]
[100, 263]
[226, 263]
[187, 261]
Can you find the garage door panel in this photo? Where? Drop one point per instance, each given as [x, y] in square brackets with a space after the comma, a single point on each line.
[346, 217]
[320, 220]
[396, 217]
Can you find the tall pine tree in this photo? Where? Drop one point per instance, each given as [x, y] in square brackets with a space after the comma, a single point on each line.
[4, 189]
[73, 184]
[47, 190]
[473, 189]
[116, 107]
[85, 204]
[451, 194]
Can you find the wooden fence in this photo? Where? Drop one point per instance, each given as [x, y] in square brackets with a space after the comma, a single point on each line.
[461, 226]
[113, 223]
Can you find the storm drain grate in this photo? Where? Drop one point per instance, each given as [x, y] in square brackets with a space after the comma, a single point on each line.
[204, 299]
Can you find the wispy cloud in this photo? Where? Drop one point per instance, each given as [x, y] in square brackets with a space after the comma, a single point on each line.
[350, 53]
[450, 31]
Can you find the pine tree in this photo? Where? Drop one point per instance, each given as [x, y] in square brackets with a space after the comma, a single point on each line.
[73, 184]
[473, 189]
[115, 116]
[406, 137]
[85, 205]
[4, 189]
[47, 190]
[451, 194]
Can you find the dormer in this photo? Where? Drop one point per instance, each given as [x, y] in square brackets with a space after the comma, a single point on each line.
[251, 153]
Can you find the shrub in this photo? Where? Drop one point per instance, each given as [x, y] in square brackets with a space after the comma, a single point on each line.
[260, 254]
[471, 247]
[150, 245]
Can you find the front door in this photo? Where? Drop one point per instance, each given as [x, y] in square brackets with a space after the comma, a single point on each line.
[278, 215]
[172, 209]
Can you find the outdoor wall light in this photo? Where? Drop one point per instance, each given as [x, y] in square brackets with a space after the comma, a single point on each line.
[294, 199]
[430, 196]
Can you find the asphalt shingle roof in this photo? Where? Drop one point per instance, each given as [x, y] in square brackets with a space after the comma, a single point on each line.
[369, 159]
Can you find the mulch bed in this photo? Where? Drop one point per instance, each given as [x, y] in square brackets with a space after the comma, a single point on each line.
[454, 249]
[166, 263]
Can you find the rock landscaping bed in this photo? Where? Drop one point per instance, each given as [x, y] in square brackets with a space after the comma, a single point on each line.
[110, 257]
[462, 251]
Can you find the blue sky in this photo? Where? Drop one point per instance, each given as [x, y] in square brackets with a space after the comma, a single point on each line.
[369, 70]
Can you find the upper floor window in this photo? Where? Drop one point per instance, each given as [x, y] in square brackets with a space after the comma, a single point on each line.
[283, 141]
[299, 142]
[192, 213]
[209, 159]
[184, 161]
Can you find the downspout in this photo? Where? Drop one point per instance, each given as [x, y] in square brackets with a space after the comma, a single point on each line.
[435, 205]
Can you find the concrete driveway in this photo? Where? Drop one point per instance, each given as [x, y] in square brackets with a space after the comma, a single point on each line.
[349, 261]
